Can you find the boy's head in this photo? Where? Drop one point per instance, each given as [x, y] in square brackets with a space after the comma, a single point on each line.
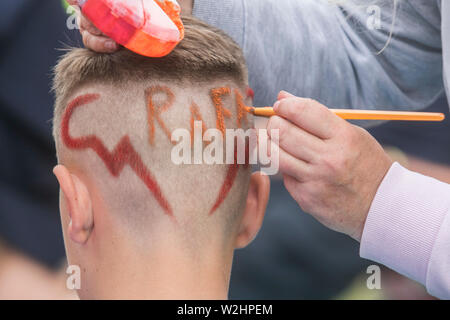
[123, 197]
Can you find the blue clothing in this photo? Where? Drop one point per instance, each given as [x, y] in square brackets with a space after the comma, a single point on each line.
[30, 32]
[319, 50]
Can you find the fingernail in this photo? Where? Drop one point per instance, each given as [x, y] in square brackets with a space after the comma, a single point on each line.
[110, 45]
[276, 105]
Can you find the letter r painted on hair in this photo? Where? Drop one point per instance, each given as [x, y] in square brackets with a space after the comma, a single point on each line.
[154, 111]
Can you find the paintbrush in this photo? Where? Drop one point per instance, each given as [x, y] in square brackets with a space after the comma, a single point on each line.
[351, 114]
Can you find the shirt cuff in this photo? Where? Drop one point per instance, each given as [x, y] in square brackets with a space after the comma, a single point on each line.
[227, 15]
[403, 222]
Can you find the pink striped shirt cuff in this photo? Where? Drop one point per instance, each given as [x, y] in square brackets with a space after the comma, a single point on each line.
[404, 222]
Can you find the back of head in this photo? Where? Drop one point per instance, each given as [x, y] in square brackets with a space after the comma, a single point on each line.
[114, 117]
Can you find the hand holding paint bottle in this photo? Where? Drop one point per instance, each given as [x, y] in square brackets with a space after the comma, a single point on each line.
[148, 27]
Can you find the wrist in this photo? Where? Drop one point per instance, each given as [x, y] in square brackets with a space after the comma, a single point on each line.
[397, 155]
[385, 166]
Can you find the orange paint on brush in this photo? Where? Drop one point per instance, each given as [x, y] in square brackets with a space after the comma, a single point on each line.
[222, 112]
[154, 112]
[122, 155]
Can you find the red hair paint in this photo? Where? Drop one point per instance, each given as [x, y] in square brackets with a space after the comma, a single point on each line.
[154, 112]
[122, 155]
[250, 93]
[241, 109]
[233, 169]
[230, 177]
[222, 112]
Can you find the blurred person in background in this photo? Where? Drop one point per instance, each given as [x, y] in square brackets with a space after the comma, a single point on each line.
[31, 245]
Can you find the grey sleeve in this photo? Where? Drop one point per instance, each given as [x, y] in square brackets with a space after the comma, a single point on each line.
[317, 49]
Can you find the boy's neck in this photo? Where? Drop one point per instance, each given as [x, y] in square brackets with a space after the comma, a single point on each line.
[169, 275]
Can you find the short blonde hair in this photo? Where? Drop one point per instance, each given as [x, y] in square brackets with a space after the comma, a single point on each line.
[205, 54]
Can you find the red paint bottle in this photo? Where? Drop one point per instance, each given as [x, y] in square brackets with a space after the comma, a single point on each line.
[150, 28]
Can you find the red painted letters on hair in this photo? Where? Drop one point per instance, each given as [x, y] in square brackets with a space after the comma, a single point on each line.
[154, 112]
[241, 109]
[222, 112]
[123, 154]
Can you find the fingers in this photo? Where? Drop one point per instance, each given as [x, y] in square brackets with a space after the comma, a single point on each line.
[309, 115]
[85, 24]
[289, 165]
[295, 141]
[101, 44]
[93, 38]
[283, 95]
[73, 2]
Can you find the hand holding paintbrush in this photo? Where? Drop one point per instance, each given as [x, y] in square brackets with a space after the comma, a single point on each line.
[331, 168]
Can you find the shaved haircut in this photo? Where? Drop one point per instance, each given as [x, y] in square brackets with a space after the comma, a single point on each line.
[113, 120]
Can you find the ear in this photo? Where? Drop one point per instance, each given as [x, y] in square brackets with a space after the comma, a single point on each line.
[79, 205]
[257, 198]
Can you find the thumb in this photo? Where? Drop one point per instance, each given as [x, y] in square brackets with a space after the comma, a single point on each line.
[284, 95]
